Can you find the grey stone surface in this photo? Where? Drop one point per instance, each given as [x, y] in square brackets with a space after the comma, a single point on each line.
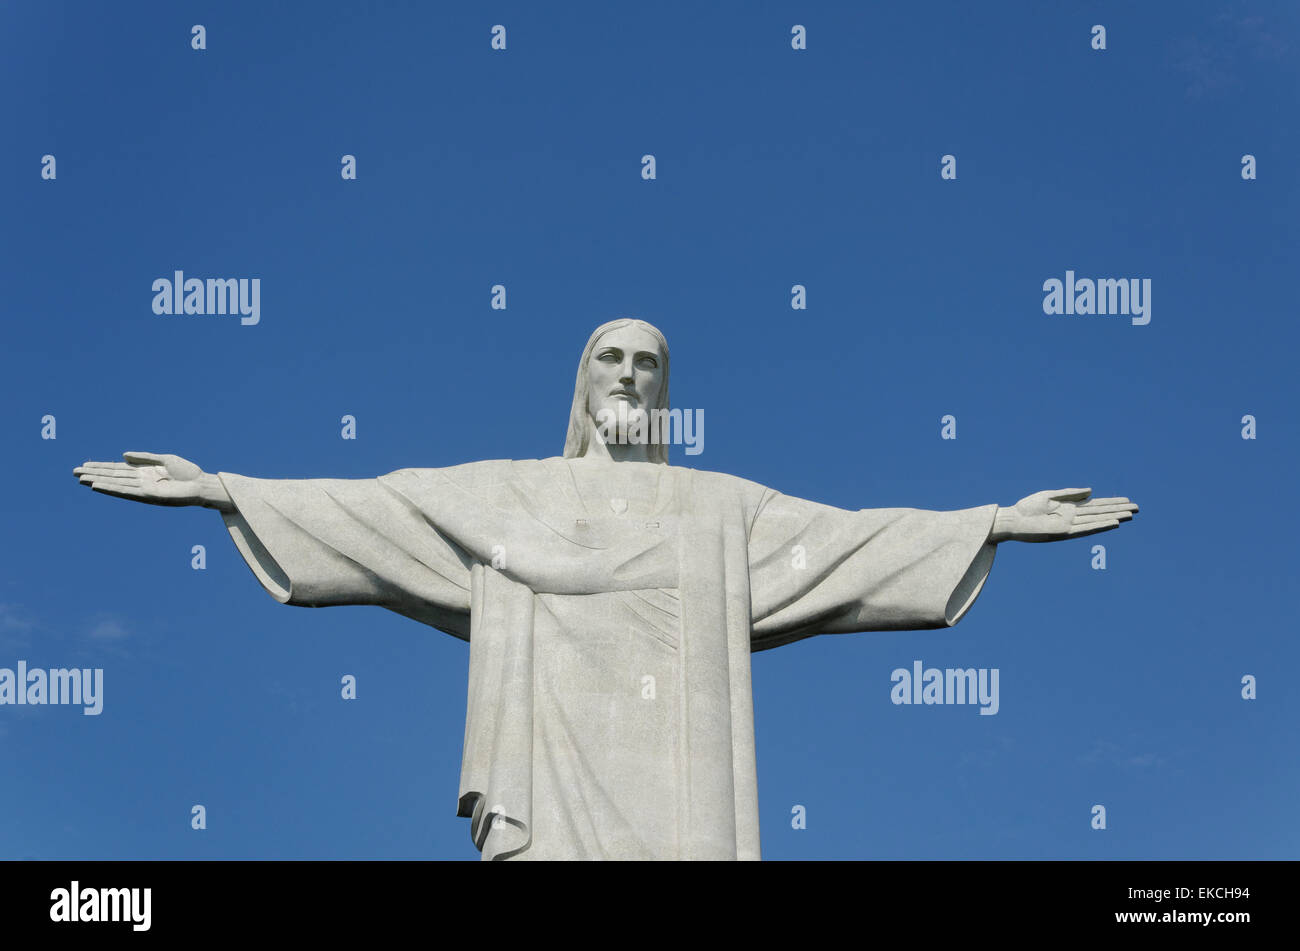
[611, 602]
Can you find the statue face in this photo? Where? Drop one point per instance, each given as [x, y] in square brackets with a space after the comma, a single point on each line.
[626, 367]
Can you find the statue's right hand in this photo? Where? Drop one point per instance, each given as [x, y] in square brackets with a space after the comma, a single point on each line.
[159, 479]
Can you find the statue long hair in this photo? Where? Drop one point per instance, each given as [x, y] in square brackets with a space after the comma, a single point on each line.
[580, 425]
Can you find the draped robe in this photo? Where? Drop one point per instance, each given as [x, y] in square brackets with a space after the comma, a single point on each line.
[611, 609]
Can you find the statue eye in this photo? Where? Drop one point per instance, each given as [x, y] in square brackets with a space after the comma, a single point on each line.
[649, 363]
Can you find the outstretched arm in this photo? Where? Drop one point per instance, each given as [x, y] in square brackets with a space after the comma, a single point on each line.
[1055, 514]
[159, 479]
[315, 542]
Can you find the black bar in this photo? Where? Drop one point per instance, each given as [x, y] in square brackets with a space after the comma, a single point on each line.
[336, 899]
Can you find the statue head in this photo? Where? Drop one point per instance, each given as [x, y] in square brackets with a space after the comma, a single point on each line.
[625, 363]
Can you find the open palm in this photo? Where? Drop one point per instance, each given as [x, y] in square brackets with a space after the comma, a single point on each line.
[159, 479]
[1055, 514]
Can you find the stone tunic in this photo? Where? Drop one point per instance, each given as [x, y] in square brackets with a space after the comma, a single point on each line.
[611, 609]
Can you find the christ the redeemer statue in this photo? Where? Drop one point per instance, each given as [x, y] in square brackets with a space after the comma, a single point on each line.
[611, 602]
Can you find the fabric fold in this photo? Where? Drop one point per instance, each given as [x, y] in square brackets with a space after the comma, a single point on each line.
[609, 708]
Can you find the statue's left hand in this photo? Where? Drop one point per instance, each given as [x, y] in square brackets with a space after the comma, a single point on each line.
[1059, 513]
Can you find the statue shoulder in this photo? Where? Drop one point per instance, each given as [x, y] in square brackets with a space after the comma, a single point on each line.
[721, 485]
[468, 475]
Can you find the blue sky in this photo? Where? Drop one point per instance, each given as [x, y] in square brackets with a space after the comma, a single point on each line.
[775, 167]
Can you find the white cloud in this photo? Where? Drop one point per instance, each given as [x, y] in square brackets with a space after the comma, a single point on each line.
[108, 629]
[13, 618]
[15, 625]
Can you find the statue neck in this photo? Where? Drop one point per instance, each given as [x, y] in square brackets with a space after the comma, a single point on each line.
[597, 448]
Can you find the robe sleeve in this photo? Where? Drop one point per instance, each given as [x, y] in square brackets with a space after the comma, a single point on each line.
[319, 542]
[816, 569]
